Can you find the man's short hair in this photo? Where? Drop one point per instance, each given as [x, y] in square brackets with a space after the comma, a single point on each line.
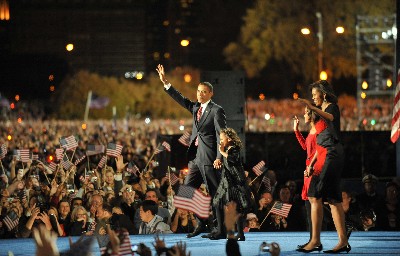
[209, 85]
[150, 205]
[107, 207]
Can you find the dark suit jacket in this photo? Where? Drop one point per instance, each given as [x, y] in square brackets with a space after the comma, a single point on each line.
[207, 129]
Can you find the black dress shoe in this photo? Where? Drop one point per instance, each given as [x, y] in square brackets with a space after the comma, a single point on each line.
[302, 245]
[316, 248]
[346, 249]
[208, 235]
[217, 236]
[196, 232]
[240, 238]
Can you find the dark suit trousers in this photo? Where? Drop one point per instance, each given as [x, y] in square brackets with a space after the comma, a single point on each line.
[199, 174]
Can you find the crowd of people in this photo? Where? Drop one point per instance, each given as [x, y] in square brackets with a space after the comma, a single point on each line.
[88, 191]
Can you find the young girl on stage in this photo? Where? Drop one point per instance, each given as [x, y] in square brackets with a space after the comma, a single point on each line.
[233, 186]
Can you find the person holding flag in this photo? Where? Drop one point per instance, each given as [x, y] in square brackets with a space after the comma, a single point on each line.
[203, 155]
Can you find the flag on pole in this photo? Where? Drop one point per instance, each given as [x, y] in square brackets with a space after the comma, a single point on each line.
[281, 209]
[173, 179]
[259, 168]
[69, 143]
[113, 150]
[132, 168]
[166, 146]
[23, 155]
[11, 220]
[3, 151]
[92, 150]
[66, 163]
[102, 162]
[59, 153]
[98, 102]
[185, 139]
[396, 112]
[191, 199]
[267, 183]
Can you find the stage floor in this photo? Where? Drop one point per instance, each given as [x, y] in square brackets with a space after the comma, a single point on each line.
[362, 243]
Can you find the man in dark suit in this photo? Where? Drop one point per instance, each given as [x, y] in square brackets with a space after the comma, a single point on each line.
[203, 155]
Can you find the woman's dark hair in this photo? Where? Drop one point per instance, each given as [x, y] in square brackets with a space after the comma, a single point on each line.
[314, 117]
[324, 87]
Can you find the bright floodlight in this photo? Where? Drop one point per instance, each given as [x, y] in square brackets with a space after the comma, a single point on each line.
[185, 42]
[340, 30]
[69, 47]
[305, 31]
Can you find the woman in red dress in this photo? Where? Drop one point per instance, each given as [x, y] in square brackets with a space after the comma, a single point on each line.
[309, 144]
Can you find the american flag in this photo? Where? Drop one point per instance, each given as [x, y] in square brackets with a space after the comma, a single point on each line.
[191, 199]
[59, 153]
[102, 162]
[11, 220]
[3, 151]
[166, 146]
[259, 168]
[77, 161]
[53, 166]
[185, 139]
[173, 179]
[267, 183]
[132, 168]
[92, 150]
[125, 245]
[23, 155]
[281, 209]
[92, 226]
[69, 143]
[113, 150]
[66, 163]
[396, 112]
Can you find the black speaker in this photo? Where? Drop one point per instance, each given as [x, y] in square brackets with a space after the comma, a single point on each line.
[229, 93]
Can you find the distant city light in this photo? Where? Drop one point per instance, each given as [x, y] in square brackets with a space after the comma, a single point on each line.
[139, 75]
[181, 127]
[323, 75]
[167, 55]
[52, 88]
[187, 78]
[365, 121]
[19, 120]
[373, 122]
[156, 55]
[69, 47]
[185, 42]
[267, 116]
[147, 120]
[340, 30]
[389, 82]
[9, 137]
[305, 31]
[165, 23]
[17, 97]
[363, 95]
[84, 126]
[261, 96]
[12, 105]
[364, 85]
[295, 96]
[51, 77]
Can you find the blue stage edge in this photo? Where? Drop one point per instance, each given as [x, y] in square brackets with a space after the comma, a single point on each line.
[362, 243]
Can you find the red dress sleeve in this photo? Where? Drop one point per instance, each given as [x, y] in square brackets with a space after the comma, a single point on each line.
[300, 139]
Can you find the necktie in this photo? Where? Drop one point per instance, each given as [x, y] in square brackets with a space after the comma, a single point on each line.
[196, 143]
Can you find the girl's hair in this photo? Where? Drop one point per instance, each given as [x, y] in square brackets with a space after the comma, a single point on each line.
[231, 134]
[314, 117]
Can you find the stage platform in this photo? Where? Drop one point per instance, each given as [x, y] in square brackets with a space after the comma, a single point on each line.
[362, 243]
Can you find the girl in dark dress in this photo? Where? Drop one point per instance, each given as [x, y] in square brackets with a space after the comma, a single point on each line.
[326, 168]
[233, 186]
